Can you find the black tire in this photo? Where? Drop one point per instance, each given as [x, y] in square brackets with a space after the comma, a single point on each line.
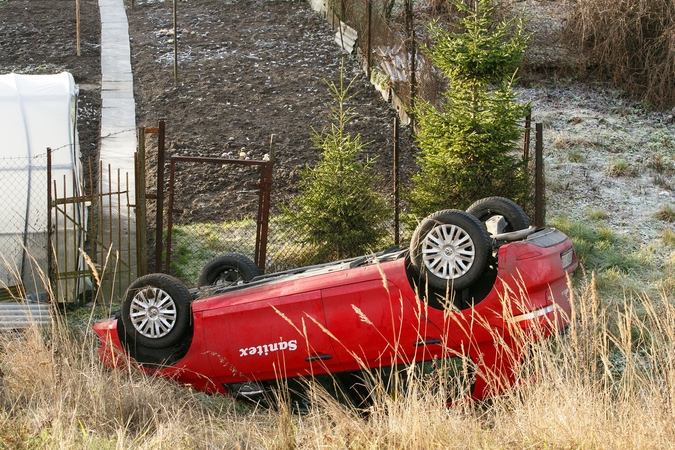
[156, 311]
[486, 208]
[450, 247]
[231, 268]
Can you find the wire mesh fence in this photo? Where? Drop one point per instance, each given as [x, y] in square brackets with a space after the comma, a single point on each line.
[200, 229]
[207, 220]
[53, 233]
[23, 224]
[389, 37]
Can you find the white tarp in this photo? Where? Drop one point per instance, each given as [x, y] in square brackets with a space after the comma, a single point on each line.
[36, 112]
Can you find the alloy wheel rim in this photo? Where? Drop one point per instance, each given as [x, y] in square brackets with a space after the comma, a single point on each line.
[448, 252]
[153, 312]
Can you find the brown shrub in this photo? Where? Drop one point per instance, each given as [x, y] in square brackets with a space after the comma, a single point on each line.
[630, 42]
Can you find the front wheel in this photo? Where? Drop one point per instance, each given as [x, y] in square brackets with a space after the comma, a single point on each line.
[156, 311]
[450, 247]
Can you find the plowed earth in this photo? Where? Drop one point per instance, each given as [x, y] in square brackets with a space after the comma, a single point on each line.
[247, 69]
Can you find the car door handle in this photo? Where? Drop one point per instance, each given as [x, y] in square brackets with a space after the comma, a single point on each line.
[427, 342]
[318, 358]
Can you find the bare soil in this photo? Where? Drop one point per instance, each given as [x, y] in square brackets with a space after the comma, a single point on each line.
[252, 68]
[248, 69]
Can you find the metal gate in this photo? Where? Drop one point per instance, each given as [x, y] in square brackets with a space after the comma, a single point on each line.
[92, 248]
[193, 235]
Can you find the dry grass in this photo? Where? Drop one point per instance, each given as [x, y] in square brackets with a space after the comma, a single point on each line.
[632, 42]
[608, 383]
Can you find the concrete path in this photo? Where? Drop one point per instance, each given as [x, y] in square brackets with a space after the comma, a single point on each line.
[118, 140]
[118, 114]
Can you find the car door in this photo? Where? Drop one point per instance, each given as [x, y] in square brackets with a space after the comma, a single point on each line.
[377, 326]
[272, 337]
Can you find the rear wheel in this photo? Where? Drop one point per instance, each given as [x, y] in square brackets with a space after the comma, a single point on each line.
[491, 208]
[156, 311]
[449, 247]
[231, 268]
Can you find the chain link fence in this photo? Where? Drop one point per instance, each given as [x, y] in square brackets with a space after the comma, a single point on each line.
[200, 228]
[389, 37]
[23, 225]
[217, 215]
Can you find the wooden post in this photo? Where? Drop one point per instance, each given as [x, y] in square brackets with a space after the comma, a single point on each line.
[77, 26]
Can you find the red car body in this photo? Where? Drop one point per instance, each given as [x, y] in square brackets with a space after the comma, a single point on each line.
[365, 313]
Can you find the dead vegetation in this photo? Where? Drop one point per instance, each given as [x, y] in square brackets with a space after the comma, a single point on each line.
[629, 42]
[607, 383]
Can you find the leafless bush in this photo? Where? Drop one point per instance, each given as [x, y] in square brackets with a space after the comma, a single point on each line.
[631, 42]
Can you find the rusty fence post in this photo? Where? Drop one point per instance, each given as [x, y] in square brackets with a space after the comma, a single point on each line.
[539, 183]
[51, 267]
[265, 189]
[141, 206]
[159, 221]
[396, 198]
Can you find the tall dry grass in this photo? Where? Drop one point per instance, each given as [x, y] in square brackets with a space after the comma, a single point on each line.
[632, 42]
[609, 382]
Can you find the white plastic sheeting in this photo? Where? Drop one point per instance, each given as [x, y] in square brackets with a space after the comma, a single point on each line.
[36, 112]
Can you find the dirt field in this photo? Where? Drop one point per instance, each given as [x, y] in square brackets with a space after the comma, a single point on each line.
[247, 70]
[252, 68]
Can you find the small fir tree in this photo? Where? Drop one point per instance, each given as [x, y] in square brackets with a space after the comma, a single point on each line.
[468, 147]
[338, 210]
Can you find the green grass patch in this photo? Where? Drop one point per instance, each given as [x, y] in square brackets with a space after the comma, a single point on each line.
[616, 261]
[596, 214]
[621, 168]
[195, 244]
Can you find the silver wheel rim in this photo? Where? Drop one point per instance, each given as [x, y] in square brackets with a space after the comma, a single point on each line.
[448, 252]
[153, 312]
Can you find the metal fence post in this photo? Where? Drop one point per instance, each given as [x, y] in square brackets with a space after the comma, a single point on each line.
[159, 222]
[396, 199]
[539, 185]
[141, 212]
[51, 267]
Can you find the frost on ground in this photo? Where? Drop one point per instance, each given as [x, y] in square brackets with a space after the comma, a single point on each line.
[609, 161]
[603, 152]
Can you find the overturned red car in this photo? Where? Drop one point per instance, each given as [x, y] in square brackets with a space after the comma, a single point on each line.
[474, 287]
